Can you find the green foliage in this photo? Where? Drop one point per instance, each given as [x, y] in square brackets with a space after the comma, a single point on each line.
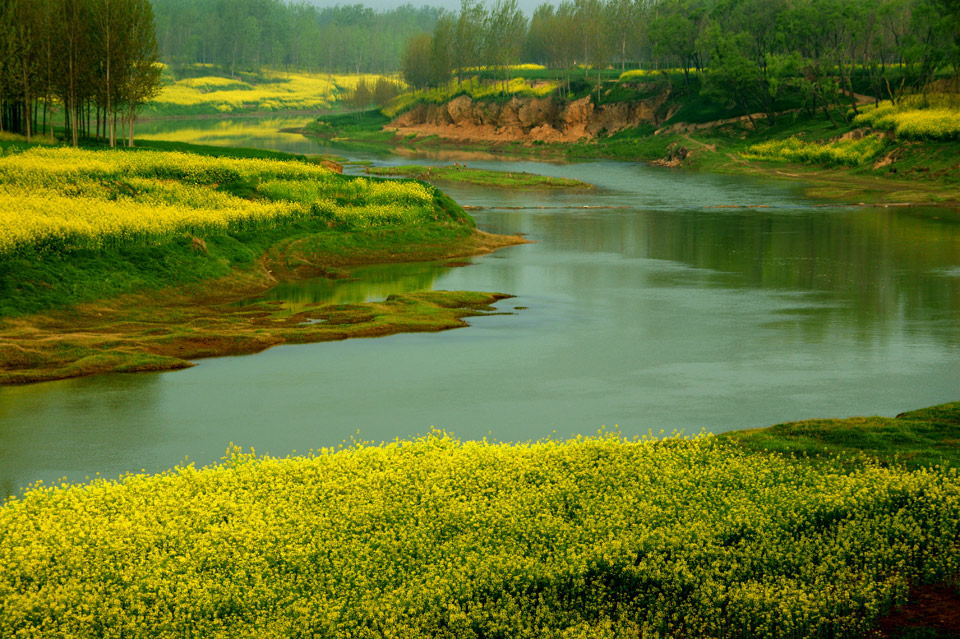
[242, 36]
[73, 56]
[594, 537]
[473, 87]
[417, 71]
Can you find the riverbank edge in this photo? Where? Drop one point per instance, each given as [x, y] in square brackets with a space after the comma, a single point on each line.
[710, 148]
[150, 308]
[167, 329]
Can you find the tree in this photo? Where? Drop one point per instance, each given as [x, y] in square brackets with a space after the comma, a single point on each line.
[384, 91]
[441, 50]
[142, 71]
[621, 21]
[74, 64]
[504, 32]
[361, 97]
[416, 61]
[468, 36]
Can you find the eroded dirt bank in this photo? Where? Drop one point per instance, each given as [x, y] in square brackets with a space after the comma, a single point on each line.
[528, 119]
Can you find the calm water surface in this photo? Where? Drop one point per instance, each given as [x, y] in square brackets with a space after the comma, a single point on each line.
[655, 308]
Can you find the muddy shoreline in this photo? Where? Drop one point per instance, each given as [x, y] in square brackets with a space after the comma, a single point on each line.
[168, 329]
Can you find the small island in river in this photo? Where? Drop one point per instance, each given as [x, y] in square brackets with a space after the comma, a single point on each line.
[462, 174]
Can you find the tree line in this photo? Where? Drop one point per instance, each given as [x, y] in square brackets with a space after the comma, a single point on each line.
[97, 59]
[252, 34]
[750, 52]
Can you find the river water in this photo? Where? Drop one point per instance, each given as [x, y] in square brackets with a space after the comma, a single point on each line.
[661, 300]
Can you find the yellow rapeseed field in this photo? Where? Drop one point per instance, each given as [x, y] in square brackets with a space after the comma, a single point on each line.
[59, 199]
[792, 149]
[281, 92]
[934, 117]
[597, 537]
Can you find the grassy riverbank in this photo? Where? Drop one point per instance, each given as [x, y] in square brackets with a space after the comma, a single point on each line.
[121, 260]
[461, 174]
[597, 537]
[905, 154]
[921, 438]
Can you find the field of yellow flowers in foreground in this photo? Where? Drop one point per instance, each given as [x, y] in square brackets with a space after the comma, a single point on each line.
[592, 537]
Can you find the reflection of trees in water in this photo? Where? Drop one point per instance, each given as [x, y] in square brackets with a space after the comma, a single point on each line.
[876, 265]
[364, 284]
[261, 133]
[52, 440]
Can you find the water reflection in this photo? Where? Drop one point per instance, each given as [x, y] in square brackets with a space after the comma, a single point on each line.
[52, 438]
[363, 284]
[658, 311]
[260, 133]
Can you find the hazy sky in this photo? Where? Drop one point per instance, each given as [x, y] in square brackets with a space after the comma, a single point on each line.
[527, 6]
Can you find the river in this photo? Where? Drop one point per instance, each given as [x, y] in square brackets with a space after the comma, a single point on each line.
[662, 300]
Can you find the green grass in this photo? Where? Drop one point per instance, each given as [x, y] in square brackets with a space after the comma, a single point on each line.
[481, 177]
[916, 439]
[353, 125]
[33, 279]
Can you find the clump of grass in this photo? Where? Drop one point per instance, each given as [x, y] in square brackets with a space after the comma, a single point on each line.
[921, 438]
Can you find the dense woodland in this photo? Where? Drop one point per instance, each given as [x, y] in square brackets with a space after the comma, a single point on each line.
[252, 34]
[94, 59]
[749, 52]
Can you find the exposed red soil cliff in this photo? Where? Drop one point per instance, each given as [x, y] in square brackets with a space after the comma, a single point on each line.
[528, 119]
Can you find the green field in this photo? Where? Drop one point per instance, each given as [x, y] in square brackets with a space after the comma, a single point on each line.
[79, 225]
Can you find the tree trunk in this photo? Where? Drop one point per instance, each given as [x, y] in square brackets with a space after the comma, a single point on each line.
[133, 117]
[825, 107]
[26, 100]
